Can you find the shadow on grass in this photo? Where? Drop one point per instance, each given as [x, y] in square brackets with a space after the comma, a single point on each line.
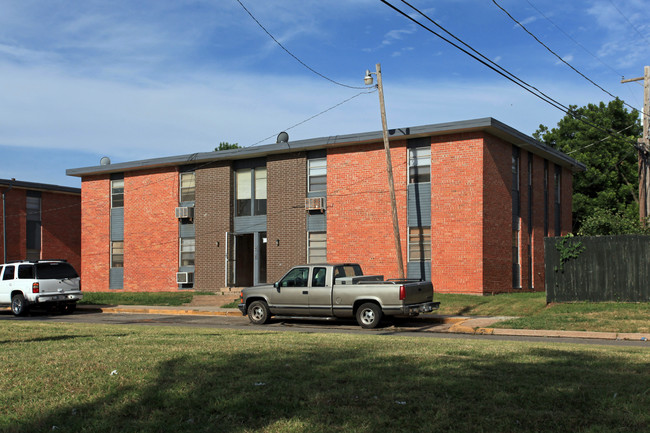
[321, 388]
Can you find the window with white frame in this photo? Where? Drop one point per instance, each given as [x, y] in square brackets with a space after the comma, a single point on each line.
[188, 186]
[188, 248]
[117, 254]
[419, 244]
[317, 247]
[317, 174]
[251, 191]
[420, 164]
[117, 193]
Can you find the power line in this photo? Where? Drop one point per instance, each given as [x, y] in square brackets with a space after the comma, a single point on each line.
[629, 22]
[291, 54]
[316, 115]
[479, 57]
[558, 56]
[498, 69]
[574, 41]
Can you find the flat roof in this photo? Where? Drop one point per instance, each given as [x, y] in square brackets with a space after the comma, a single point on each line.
[486, 124]
[38, 186]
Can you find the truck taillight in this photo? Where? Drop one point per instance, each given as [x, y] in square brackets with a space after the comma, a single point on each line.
[35, 288]
[241, 297]
[402, 293]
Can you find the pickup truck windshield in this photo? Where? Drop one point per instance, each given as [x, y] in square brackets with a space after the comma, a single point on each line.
[347, 271]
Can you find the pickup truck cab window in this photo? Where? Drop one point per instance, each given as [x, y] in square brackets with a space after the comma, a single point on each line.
[318, 280]
[347, 271]
[297, 277]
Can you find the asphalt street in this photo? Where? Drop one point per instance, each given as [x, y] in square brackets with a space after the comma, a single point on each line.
[397, 327]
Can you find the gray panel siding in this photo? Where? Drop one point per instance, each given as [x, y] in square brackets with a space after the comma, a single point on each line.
[117, 224]
[116, 278]
[419, 270]
[316, 222]
[250, 224]
[186, 230]
[419, 204]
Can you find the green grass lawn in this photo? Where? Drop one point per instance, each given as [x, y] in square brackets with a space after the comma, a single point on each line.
[140, 298]
[96, 378]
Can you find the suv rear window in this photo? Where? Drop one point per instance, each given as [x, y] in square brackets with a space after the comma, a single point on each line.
[55, 271]
[25, 272]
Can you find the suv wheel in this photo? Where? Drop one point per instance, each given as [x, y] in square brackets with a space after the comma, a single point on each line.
[18, 305]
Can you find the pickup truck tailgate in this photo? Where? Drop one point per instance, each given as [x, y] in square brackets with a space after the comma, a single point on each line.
[418, 292]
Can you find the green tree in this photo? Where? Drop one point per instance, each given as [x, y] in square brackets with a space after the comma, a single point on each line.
[224, 145]
[610, 182]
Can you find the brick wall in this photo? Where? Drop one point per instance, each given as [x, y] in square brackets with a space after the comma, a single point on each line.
[457, 200]
[538, 223]
[567, 201]
[359, 222]
[286, 216]
[212, 220]
[151, 240]
[16, 211]
[61, 227]
[95, 233]
[497, 245]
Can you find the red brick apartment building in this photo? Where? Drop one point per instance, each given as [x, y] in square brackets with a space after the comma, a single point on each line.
[475, 199]
[40, 221]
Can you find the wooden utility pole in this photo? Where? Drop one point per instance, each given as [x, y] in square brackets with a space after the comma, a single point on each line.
[644, 149]
[389, 170]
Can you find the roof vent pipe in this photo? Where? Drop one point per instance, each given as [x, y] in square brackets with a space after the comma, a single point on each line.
[283, 137]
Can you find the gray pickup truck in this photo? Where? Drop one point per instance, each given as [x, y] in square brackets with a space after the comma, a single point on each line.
[336, 290]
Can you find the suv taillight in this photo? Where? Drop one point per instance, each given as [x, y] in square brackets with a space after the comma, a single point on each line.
[402, 293]
[241, 297]
[35, 288]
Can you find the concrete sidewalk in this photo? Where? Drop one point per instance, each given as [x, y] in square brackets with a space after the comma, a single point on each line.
[440, 323]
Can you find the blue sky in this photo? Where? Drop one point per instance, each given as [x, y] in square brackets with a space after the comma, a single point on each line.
[142, 79]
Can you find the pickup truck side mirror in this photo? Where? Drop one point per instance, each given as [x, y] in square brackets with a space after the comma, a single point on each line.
[276, 284]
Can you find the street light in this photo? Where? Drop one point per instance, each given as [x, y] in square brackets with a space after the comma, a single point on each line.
[389, 165]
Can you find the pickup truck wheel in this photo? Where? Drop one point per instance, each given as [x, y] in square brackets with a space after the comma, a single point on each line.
[258, 312]
[369, 315]
[18, 305]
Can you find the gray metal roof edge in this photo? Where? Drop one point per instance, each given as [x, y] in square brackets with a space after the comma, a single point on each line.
[38, 186]
[486, 123]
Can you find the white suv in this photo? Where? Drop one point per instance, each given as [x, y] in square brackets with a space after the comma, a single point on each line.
[39, 282]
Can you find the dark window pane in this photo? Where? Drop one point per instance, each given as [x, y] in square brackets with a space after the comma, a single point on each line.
[260, 207]
[9, 273]
[26, 272]
[244, 207]
[55, 271]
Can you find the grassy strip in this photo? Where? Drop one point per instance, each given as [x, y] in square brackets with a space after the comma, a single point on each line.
[149, 379]
[507, 304]
[139, 298]
[587, 316]
[533, 313]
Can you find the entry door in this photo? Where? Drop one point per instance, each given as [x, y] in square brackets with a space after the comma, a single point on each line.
[244, 257]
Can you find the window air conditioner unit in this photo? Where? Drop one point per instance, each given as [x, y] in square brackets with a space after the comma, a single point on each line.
[185, 212]
[184, 277]
[315, 203]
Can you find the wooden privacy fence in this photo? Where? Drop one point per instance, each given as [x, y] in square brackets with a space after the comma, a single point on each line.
[598, 268]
